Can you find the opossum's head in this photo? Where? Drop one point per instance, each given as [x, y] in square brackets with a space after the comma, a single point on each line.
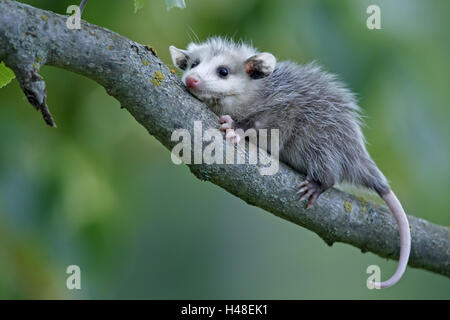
[218, 68]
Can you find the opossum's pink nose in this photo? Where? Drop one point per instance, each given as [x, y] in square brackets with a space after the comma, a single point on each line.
[192, 82]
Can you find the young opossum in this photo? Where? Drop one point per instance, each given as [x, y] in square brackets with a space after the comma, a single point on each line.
[317, 117]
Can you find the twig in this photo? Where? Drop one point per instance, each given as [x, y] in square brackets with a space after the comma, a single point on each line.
[82, 5]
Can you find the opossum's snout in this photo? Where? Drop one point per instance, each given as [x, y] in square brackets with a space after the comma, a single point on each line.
[192, 82]
[196, 86]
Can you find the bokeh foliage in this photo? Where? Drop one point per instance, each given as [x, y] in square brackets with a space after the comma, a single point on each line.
[101, 193]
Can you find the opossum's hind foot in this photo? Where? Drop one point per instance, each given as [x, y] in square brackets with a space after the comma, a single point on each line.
[310, 190]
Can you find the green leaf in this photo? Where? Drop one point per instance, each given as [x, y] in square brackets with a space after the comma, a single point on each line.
[175, 3]
[138, 4]
[6, 75]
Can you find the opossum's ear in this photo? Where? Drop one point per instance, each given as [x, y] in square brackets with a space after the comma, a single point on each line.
[260, 65]
[179, 57]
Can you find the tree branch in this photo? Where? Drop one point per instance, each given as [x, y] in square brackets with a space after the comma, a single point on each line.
[136, 77]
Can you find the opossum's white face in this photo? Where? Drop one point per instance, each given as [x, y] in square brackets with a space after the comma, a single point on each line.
[220, 72]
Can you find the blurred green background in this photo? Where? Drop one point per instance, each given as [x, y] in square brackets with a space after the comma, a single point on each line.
[99, 192]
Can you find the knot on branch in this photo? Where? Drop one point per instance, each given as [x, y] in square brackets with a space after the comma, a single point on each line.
[33, 86]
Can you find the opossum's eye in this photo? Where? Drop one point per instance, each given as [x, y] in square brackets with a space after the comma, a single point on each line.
[222, 71]
[196, 63]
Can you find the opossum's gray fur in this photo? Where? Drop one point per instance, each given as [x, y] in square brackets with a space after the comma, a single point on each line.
[319, 122]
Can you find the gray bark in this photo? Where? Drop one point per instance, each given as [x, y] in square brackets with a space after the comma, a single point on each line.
[136, 77]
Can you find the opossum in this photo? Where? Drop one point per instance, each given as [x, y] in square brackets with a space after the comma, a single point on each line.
[318, 118]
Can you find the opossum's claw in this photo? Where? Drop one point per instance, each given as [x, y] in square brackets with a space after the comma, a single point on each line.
[226, 121]
[225, 126]
[233, 136]
[309, 190]
[304, 183]
[225, 118]
[312, 200]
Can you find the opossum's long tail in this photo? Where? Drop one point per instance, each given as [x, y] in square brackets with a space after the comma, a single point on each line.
[405, 239]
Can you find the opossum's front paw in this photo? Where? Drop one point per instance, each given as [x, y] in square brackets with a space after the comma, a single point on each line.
[226, 122]
[232, 136]
[227, 126]
[310, 190]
